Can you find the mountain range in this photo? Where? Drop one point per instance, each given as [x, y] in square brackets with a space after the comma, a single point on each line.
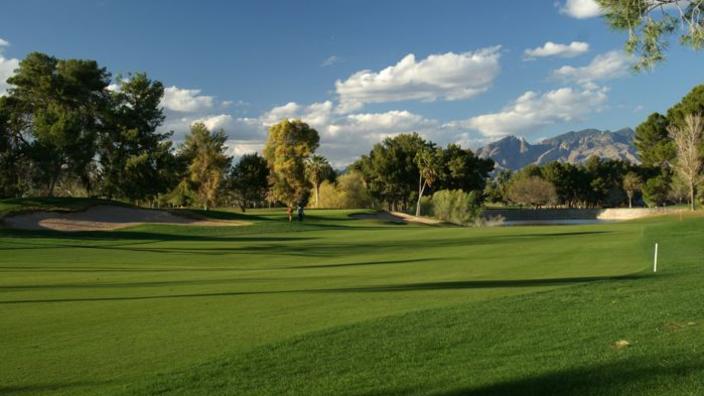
[574, 147]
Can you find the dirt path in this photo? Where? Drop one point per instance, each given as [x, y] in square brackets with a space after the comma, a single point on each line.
[397, 217]
[104, 218]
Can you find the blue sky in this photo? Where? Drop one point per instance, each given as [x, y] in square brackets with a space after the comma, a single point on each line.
[455, 71]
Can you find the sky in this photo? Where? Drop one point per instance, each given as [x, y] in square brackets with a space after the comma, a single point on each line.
[455, 71]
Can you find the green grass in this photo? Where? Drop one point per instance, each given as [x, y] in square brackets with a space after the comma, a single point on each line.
[343, 306]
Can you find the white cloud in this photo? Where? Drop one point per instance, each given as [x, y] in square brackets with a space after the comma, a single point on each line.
[581, 9]
[317, 115]
[448, 76]
[238, 148]
[7, 67]
[186, 100]
[532, 111]
[215, 122]
[331, 60]
[570, 50]
[611, 65]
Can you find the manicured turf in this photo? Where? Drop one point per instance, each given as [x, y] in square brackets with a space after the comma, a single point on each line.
[343, 306]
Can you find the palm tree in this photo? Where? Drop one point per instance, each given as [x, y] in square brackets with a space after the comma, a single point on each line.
[317, 169]
[631, 183]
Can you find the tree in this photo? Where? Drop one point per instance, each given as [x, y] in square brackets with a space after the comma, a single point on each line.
[463, 170]
[429, 163]
[248, 181]
[62, 101]
[15, 167]
[692, 103]
[497, 189]
[209, 162]
[532, 191]
[287, 147]
[688, 140]
[631, 184]
[134, 158]
[648, 22]
[317, 170]
[390, 169]
[656, 190]
[653, 141]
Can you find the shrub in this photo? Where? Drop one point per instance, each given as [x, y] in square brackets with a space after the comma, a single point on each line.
[456, 206]
[350, 192]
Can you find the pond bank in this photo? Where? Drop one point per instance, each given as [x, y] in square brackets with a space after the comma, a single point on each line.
[572, 216]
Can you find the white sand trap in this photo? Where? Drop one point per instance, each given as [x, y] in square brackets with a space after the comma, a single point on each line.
[397, 217]
[104, 218]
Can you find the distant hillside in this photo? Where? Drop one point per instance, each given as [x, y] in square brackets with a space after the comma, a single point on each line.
[573, 147]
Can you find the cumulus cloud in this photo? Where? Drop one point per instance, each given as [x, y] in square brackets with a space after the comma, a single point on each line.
[343, 137]
[220, 121]
[7, 67]
[570, 50]
[580, 9]
[186, 100]
[448, 76]
[533, 110]
[613, 64]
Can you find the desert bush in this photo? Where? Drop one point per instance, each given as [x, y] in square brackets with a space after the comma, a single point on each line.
[455, 206]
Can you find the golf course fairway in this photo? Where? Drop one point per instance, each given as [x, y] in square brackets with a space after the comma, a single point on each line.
[338, 305]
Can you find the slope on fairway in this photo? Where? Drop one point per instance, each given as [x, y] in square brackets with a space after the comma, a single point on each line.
[561, 341]
[95, 312]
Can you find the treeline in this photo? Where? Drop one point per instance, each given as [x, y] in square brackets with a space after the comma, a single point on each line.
[670, 148]
[596, 183]
[65, 130]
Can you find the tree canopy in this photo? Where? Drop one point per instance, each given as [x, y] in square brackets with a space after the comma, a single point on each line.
[649, 24]
[288, 145]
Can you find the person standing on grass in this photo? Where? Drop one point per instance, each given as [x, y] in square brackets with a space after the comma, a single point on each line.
[289, 210]
[300, 212]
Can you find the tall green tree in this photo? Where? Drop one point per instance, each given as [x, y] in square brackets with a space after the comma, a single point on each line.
[655, 147]
[317, 170]
[135, 159]
[462, 170]
[62, 101]
[390, 169]
[692, 103]
[208, 164]
[288, 145]
[650, 22]
[249, 181]
[15, 166]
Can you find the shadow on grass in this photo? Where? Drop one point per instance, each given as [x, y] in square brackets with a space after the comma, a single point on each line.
[259, 243]
[457, 285]
[605, 379]
[32, 389]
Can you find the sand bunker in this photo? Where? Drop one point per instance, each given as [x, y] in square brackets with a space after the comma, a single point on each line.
[397, 217]
[104, 218]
